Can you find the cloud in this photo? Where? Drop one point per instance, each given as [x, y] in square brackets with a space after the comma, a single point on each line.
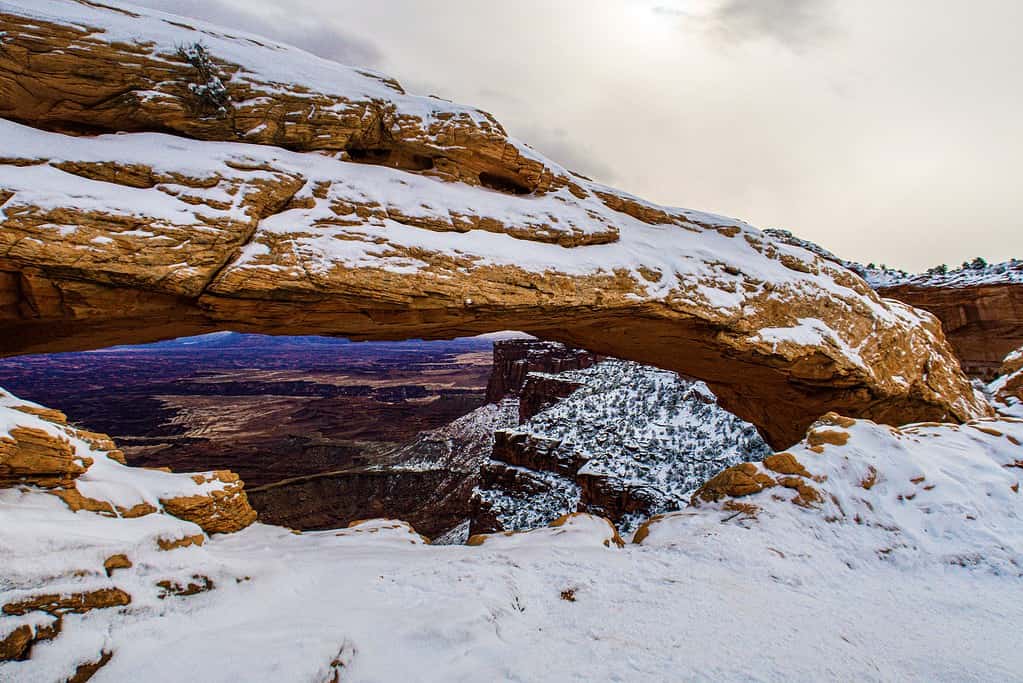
[796, 24]
[557, 144]
[311, 33]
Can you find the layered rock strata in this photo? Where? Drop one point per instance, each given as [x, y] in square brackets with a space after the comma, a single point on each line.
[85, 470]
[980, 305]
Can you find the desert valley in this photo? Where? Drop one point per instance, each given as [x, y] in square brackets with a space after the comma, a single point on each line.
[308, 378]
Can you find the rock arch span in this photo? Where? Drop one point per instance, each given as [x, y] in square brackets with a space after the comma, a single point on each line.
[321, 199]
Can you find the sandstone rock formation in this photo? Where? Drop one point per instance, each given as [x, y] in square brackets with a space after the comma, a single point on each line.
[983, 322]
[980, 305]
[384, 215]
[221, 510]
[87, 472]
[514, 359]
[1006, 391]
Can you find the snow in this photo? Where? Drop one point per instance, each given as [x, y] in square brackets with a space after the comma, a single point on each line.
[883, 583]
[942, 494]
[697, 259]
[106, 479]
[809, 332]
[265, 66]
[926, 586]
[460, 445]
[643, 427]
[548, 496]
[698, 266]
[1006, 404]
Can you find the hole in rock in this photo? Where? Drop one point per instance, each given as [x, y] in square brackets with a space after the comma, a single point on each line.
[395, 158]
[502, 183]
[475, 434]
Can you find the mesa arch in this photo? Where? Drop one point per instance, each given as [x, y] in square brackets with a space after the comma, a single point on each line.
[313, 198]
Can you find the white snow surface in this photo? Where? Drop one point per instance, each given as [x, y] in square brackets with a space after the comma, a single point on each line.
[719, 264]
[462, 444]
[925, 587]
[265, 65]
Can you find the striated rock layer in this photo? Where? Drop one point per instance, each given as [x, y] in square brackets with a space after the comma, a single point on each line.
[514, 359]
[382, 215]
[87, 472]
[980, 305]
[983, 322]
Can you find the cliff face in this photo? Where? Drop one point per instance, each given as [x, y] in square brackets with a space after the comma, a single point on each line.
[983, 322]
[257, 188]
[514, 359]
[980, 305]
[427, 481]
[617, 439]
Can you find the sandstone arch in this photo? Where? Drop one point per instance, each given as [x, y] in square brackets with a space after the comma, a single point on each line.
[381, 215]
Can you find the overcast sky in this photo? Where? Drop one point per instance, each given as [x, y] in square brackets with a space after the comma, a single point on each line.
[886, 130]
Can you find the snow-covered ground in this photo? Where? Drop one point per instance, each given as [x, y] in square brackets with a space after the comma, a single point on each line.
[723, 606]
[909, 565]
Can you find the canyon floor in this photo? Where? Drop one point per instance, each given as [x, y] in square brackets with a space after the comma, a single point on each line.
[268, 408]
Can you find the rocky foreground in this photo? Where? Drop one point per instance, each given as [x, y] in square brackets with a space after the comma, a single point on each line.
[887, 548]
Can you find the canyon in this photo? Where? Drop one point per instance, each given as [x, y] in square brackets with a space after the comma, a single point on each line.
[316, 469]
[269, 408]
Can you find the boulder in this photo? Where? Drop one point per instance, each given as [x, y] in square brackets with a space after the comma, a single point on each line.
[33, 456]
[222, 510]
